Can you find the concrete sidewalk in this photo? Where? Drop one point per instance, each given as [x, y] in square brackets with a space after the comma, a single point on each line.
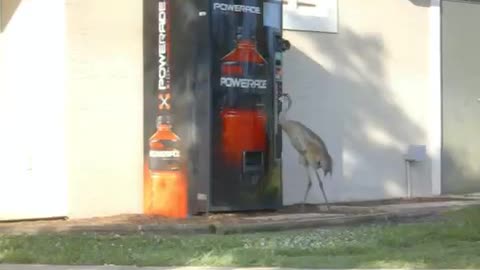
[51, 267]
[66, 267]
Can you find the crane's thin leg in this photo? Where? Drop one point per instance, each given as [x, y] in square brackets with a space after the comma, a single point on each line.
[308, 188]
[323, 191]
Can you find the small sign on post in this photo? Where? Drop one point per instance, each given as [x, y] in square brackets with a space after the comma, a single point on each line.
[415, 153]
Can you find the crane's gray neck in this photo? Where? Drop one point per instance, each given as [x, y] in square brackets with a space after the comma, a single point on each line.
[282, 118]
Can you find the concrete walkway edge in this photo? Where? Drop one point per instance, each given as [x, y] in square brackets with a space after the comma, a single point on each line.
[393, 214]
[108, 267]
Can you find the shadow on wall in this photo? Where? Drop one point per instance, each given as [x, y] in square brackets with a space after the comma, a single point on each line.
[340, 90]
[459, 177]
[421, 3]
[7, 10]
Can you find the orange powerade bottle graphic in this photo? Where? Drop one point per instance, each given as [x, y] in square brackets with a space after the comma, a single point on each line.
[243, 130]
[168, 182]
[244, 123]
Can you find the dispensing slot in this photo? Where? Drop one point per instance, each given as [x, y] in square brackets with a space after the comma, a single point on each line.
[252, 167]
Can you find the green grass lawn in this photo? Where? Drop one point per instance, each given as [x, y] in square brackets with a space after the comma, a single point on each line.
[452, 243]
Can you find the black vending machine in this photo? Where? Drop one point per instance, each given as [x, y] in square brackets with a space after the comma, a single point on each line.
[221, 61]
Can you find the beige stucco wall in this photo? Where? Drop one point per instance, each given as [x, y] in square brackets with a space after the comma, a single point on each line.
[365, 91]
[105, 112]
[71, 109]
[32, 118]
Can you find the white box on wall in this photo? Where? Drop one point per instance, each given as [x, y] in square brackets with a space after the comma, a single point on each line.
[311, 15]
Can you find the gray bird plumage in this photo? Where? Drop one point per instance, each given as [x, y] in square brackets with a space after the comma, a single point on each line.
[311, 148]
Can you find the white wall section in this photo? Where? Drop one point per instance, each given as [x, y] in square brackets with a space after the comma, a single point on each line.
[33, 180]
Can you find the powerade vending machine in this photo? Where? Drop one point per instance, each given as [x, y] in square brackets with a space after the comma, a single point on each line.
[212, 80]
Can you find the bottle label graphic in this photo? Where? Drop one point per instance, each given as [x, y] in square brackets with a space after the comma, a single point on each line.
[243, 67]
[164, 153]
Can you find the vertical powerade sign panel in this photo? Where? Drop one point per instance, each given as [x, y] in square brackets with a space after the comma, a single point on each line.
[242, 96]
[164, 178]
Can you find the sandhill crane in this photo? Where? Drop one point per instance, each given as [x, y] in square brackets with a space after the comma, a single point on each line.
[311, 148]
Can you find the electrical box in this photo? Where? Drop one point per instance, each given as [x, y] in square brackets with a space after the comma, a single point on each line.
[416, 153]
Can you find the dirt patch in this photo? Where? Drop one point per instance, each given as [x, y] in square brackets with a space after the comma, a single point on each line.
[319, 211]
[374, 203]
[139, 219]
